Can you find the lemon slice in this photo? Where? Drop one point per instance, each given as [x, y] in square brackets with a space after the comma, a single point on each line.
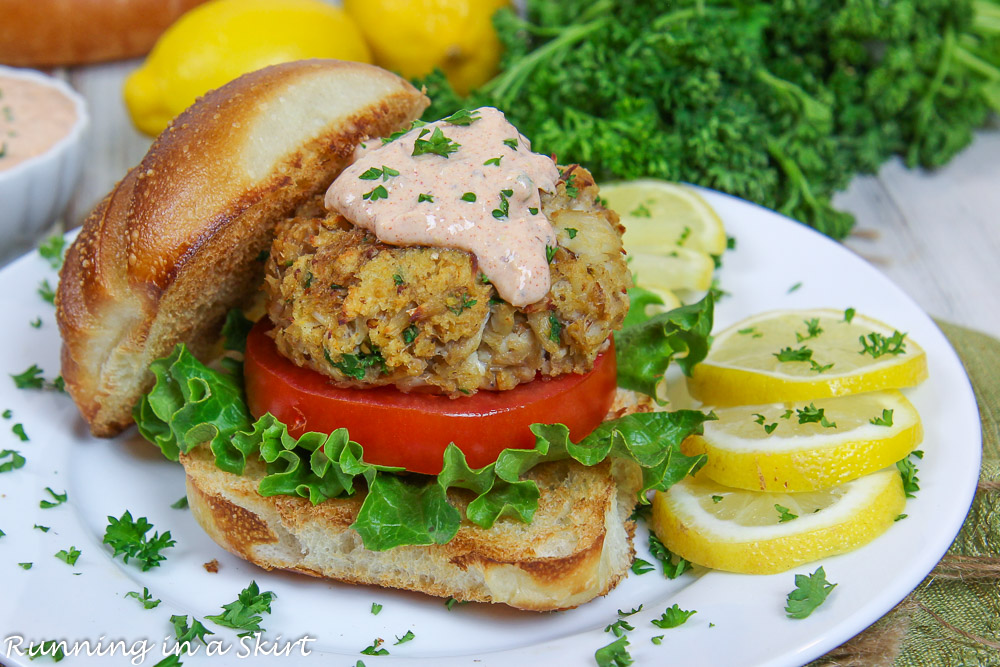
[660, 215]
[766, 448]
[752, 362]
[741, 531]
[680, 269]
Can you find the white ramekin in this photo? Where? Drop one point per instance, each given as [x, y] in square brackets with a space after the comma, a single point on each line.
[35, 193]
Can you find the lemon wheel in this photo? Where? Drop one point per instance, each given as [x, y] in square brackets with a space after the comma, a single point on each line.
[785, 447]
[742, 531]
[805, 354]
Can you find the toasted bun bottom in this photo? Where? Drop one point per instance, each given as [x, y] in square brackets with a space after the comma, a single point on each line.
[578, 546]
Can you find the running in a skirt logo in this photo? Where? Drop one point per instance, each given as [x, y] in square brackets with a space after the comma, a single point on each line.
[142, 649]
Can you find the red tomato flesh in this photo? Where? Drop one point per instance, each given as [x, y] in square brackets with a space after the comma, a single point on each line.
[412, 429]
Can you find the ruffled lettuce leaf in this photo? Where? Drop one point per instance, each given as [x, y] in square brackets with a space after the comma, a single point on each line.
[192, 404]
[646, 349]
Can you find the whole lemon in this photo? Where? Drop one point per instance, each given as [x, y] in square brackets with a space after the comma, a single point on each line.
[223, 39]
[412, 37]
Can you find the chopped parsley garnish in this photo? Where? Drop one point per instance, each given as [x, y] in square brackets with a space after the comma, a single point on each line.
[794, 287]
[49, 648]
[438, 144]
[685, 234]
[501, 213]
[469, 197]
[186, 636]
[640, 566]
[571, 232]
[396, 135]
[52, 250]
[309, 280]
[8, 413]
[25, 566]
[635, 610]
[908, 471]
[462, 117]
[750, 331]
[876, 345]
[671, 570]
[673, 617]
[555, 328]
[900, 517]
[356, 365]
[405, 638]
[397, 279]
[571, 190]
[18, 430]
[813, 415]
[532, 210]
[423, 196]
[768, 428]
[788, 354]
[849, 315]
[814, 366]
[16, 460]
[29, 379]
[810, 592]
[812, 330]
[374, 173]
[658, 639]
[884, 420]
[619, 627]
[44, 529]
[374, 648]
[511, 144]
[128, 539]
[410, 334]
[57, 499]
[68, 557]
[716, 499]
[376, 193]
[144, 598]
[495, 161]
[451, 602]
[550, 252]
[245, 612]
[181, 503]
[614, 654]
[46, 292]
[641, 211]
[376, 608]
[459, 307]
[783, 514]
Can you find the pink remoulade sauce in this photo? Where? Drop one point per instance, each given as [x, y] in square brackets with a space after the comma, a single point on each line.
[478, 190]
[33, 118]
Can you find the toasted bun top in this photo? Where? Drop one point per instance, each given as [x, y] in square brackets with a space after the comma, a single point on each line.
[179, 240]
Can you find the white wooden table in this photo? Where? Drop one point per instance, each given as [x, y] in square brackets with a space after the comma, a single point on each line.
[937, 235]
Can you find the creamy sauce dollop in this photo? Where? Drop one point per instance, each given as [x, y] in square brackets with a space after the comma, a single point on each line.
[470, 182]
[33, 117]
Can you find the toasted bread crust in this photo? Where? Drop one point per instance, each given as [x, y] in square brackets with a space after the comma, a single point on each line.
[578, 546]
[179, 240]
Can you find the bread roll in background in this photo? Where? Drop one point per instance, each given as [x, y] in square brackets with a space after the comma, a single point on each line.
[179, 240]
[36, 33]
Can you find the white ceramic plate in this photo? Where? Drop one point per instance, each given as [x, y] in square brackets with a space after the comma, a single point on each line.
[740, 618]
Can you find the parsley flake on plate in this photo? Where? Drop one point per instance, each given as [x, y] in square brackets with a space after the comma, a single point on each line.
[673, 617]
[810, 592]
[16, 460]
[69, 557]
[409, 636]
[245, 613]
[144, 598]
[614, 654]
[57, 499]
[128, 538]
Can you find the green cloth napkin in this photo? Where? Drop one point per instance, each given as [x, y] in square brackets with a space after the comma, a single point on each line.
[953, 617]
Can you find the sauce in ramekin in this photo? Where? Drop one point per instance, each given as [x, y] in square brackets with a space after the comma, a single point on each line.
[33, 118]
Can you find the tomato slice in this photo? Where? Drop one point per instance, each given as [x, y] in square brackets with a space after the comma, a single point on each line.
[412, 429]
